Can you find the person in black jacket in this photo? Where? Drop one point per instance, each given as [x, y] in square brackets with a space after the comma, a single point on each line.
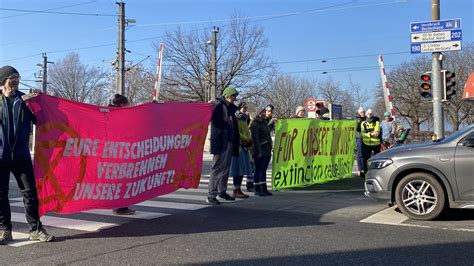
[15, 157]
[261, 151]
[224, 144]
[360, 159]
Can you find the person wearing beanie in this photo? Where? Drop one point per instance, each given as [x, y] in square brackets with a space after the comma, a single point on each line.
[15, 157]
[387, 128]
[370, 131]
[360, 159]
[299, 112]
[225, 141]
[261, 151]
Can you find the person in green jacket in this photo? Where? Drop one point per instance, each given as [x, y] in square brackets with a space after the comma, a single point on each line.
[240, 165]
[261, 151]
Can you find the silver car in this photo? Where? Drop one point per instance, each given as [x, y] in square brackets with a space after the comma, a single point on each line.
[424, 179]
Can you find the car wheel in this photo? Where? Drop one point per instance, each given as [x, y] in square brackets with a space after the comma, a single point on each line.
[420, 196]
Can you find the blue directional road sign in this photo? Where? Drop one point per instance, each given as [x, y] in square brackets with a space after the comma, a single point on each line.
[448, 24]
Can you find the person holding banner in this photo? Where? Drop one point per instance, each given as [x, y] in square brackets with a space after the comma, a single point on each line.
[360, 159]
[240, 165]
[270, 119]
[370, 131]
[224, 145]
[261, 151]
[15, 157]
[121, 101]
[299, 112]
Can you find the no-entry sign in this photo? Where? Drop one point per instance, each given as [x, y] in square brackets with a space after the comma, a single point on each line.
[311, 104]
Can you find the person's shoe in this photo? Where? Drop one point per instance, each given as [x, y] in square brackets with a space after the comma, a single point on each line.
[362, 174]
[259, 191]
[124, 211]
[212, 201]
[226, 197]
[265, 190]
[238, 194]
[250, 187]
[5, 237]
[41, 235]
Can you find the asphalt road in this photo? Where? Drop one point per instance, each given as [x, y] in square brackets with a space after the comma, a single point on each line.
[333, 223]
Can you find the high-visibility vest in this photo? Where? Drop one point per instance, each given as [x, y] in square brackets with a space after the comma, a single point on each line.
[366, 128]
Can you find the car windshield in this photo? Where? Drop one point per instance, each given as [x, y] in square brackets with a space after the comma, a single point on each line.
[455, 134]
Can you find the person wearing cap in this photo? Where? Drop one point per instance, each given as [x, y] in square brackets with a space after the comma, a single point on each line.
[261, 151]
[240, 165]
[370, 131]
[387, 129]
[360, 159]
[299, 112]
[15, 157]
[224, 145]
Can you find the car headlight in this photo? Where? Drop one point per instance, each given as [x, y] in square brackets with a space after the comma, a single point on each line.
[379, 163]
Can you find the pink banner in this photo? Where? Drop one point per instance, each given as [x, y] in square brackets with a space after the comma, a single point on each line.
[92, 157]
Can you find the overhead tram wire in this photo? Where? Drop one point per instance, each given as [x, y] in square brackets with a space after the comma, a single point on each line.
[56, 8]
[57, 13]
[161, 36]
[337, 70]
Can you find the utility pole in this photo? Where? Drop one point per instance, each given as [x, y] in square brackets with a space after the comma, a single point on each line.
[44, 73]
[213, 82]
[438, 118]
[121, 49]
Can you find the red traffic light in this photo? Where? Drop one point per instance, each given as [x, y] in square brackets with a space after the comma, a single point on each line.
[425, 78]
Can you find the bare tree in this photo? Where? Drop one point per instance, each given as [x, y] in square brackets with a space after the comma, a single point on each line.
[285, 93]
[139, 84]
[241, 61]
[70, 79]
[360, 95]
[461, 63]
[404, 81]
[332, 92]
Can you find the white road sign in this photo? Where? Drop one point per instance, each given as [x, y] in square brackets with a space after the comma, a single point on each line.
[436, 36]
[440, 46]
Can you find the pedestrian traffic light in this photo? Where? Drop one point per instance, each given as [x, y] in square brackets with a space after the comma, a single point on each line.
[448, 84]
[426, 85]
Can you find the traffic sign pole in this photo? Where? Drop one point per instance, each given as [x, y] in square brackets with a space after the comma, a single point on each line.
[438, 120]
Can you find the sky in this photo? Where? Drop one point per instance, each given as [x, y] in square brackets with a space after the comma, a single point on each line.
[346, 34]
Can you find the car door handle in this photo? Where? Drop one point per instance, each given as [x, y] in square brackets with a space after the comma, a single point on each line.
[445, 159]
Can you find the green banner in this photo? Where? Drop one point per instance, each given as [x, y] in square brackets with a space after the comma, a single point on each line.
[311, 151]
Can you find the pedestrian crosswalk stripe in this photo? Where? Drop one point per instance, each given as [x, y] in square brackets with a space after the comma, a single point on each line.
[20, 239]
[67, 223]
[137, 215]
[171, 205]
[183, 196]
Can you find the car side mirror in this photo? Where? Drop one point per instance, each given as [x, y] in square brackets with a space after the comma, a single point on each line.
[469, 142]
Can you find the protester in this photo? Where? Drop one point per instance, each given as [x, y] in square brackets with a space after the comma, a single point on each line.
[400, 134]
[370, 131]
[261, 151]
[240, 165]
[15, 157]
[224, 145]
[360, 159]
[322, 111]
[121, 101]
[270, 119]
[387, 129]
[299, 112]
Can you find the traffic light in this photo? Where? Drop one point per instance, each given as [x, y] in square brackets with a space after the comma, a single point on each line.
[448, 84]
[426, 85]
